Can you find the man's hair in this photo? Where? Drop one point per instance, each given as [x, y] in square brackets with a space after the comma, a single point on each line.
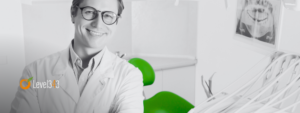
[77, 2]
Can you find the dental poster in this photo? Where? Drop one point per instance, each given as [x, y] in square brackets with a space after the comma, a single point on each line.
[258, 20]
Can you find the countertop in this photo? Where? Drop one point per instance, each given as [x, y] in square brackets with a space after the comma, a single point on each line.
[163, 62]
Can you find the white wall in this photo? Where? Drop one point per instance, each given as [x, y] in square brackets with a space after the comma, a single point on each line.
[159, 27]
[47, 29]
[12, 58]
[290, 34]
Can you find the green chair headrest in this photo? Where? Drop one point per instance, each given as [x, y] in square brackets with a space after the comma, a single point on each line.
[145, 68]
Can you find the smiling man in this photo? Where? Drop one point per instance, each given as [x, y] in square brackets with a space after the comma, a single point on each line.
[91, 78]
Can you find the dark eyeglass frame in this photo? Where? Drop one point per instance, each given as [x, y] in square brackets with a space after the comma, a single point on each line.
[97, 14]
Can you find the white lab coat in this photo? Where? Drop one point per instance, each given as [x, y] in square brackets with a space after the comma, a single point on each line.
[115, 87]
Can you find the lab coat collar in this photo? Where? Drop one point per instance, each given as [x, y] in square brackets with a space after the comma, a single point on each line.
[61, 65]
[94, 62]
[67, 80]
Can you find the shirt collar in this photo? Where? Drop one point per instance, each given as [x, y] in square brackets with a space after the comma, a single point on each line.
[93, 63]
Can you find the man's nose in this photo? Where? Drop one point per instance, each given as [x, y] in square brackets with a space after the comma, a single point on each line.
[97, 22]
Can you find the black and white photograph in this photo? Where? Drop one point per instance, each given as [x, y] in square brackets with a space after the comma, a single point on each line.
[149, 56]
[259, 19]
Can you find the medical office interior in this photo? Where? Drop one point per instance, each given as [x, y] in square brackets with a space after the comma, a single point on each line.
[183, 40]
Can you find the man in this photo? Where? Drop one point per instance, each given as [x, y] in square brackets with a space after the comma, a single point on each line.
[88, 77]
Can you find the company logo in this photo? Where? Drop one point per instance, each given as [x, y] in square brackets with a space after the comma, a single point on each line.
[26, 80]
[47, 84]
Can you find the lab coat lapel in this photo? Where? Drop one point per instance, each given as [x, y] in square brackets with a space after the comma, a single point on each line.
[96, 83]
[66, 77]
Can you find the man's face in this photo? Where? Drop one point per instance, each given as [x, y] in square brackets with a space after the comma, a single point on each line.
[94, 33]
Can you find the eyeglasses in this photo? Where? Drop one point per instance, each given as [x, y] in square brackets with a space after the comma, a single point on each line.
[90, 13]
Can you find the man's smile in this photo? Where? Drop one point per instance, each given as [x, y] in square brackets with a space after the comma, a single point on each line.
[95, 33]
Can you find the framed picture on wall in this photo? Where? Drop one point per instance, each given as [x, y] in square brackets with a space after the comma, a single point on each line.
[258, 22]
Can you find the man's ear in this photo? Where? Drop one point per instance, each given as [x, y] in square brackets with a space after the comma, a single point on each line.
[73, 14]
[72, 19]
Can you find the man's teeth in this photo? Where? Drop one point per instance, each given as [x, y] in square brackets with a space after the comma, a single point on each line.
[96, 33]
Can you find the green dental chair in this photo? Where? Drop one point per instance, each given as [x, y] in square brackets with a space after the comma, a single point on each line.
[164, 101]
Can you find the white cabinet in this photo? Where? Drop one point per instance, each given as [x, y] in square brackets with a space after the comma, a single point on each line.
[180, 81]
[174, 74]
[165, 35]
[156, 87]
